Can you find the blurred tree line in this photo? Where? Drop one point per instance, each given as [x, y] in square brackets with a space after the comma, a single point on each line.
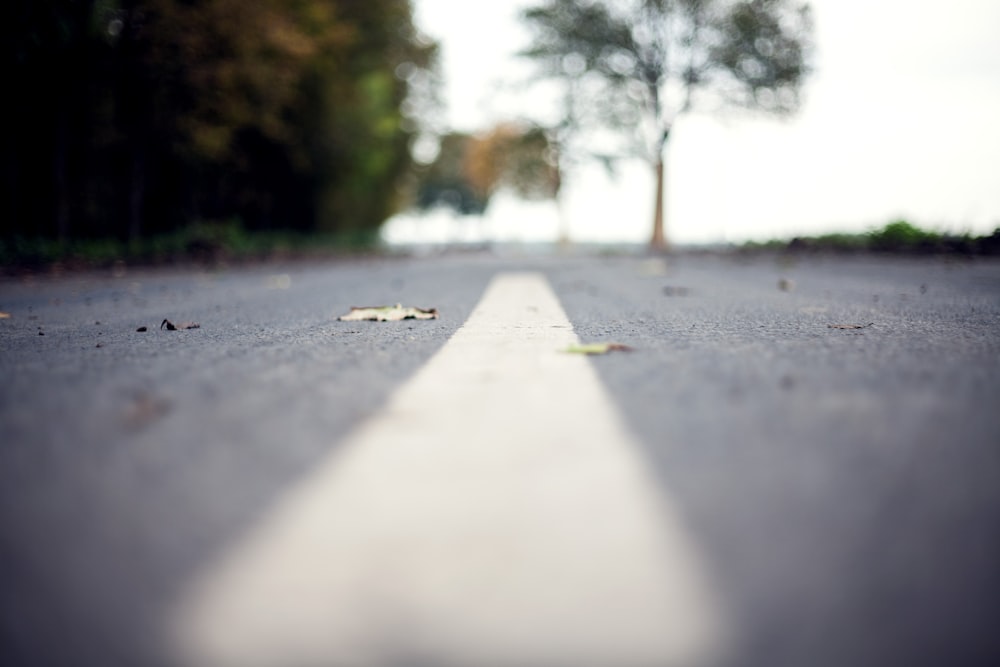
[469, 169]
[126, 118]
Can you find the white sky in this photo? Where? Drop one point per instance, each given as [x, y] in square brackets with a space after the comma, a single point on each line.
[901, 119]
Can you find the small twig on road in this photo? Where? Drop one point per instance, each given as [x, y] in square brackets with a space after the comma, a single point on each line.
[849, 326]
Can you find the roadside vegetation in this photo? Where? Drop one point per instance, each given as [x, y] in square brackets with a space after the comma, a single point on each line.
[141, 128]
[203, 243]
[157, 132]
[897, 237]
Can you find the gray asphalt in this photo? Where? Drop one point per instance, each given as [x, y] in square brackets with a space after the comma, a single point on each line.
[844, 484]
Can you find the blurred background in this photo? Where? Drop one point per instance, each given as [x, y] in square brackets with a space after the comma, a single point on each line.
[165, 128]
[897, 121]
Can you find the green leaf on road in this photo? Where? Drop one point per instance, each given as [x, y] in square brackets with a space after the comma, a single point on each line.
[597, 348]
[388, 314]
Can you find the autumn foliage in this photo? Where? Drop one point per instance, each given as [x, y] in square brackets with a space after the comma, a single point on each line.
[132, 117]
[470, 168]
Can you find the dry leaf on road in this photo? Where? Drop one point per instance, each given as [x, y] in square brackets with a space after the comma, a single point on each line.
[170, 326]
[388, 314]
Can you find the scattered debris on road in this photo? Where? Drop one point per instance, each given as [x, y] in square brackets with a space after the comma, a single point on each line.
[4, 316]
[786, 284]
[170, 326]
[142, 330]
[597, 348]
[388, 314]
[674, 290]
[849, 326]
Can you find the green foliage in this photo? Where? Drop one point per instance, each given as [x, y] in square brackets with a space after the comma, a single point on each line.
[137, 117]
[901, 234]
[898, 237]
[201, 241]
[842, 241]
[763, 46]
[638, 64]
[469, 169]
[446, 181]
[527, 156]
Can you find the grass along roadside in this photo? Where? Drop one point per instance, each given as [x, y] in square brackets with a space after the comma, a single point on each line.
[203, 243]
[897, 237]
[222, 243]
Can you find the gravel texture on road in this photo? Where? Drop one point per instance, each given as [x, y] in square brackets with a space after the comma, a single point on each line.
[842, 482]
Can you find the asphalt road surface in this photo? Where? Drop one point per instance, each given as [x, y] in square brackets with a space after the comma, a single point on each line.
[821, 435]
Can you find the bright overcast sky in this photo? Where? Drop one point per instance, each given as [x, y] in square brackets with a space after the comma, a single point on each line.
[901, 119]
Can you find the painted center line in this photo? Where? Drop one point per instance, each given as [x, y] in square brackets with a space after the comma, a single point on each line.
[494, 513]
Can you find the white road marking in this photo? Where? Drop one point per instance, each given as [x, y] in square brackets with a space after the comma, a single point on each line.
[495, 513]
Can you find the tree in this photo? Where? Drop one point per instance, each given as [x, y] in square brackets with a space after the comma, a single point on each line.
[512, 155]
[470, 168]
[293, 108]
[133, 117]
[446, 182]
[636, 65]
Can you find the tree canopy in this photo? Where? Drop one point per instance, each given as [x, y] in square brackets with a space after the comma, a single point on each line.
[634, 66]
[470, 168]
[134, 116]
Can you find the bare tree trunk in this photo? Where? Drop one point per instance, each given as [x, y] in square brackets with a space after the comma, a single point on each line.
[61, 178]
[137, 193]
[658, 243]
[12, 176]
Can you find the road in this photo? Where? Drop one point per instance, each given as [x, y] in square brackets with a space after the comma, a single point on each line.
[832, 491]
